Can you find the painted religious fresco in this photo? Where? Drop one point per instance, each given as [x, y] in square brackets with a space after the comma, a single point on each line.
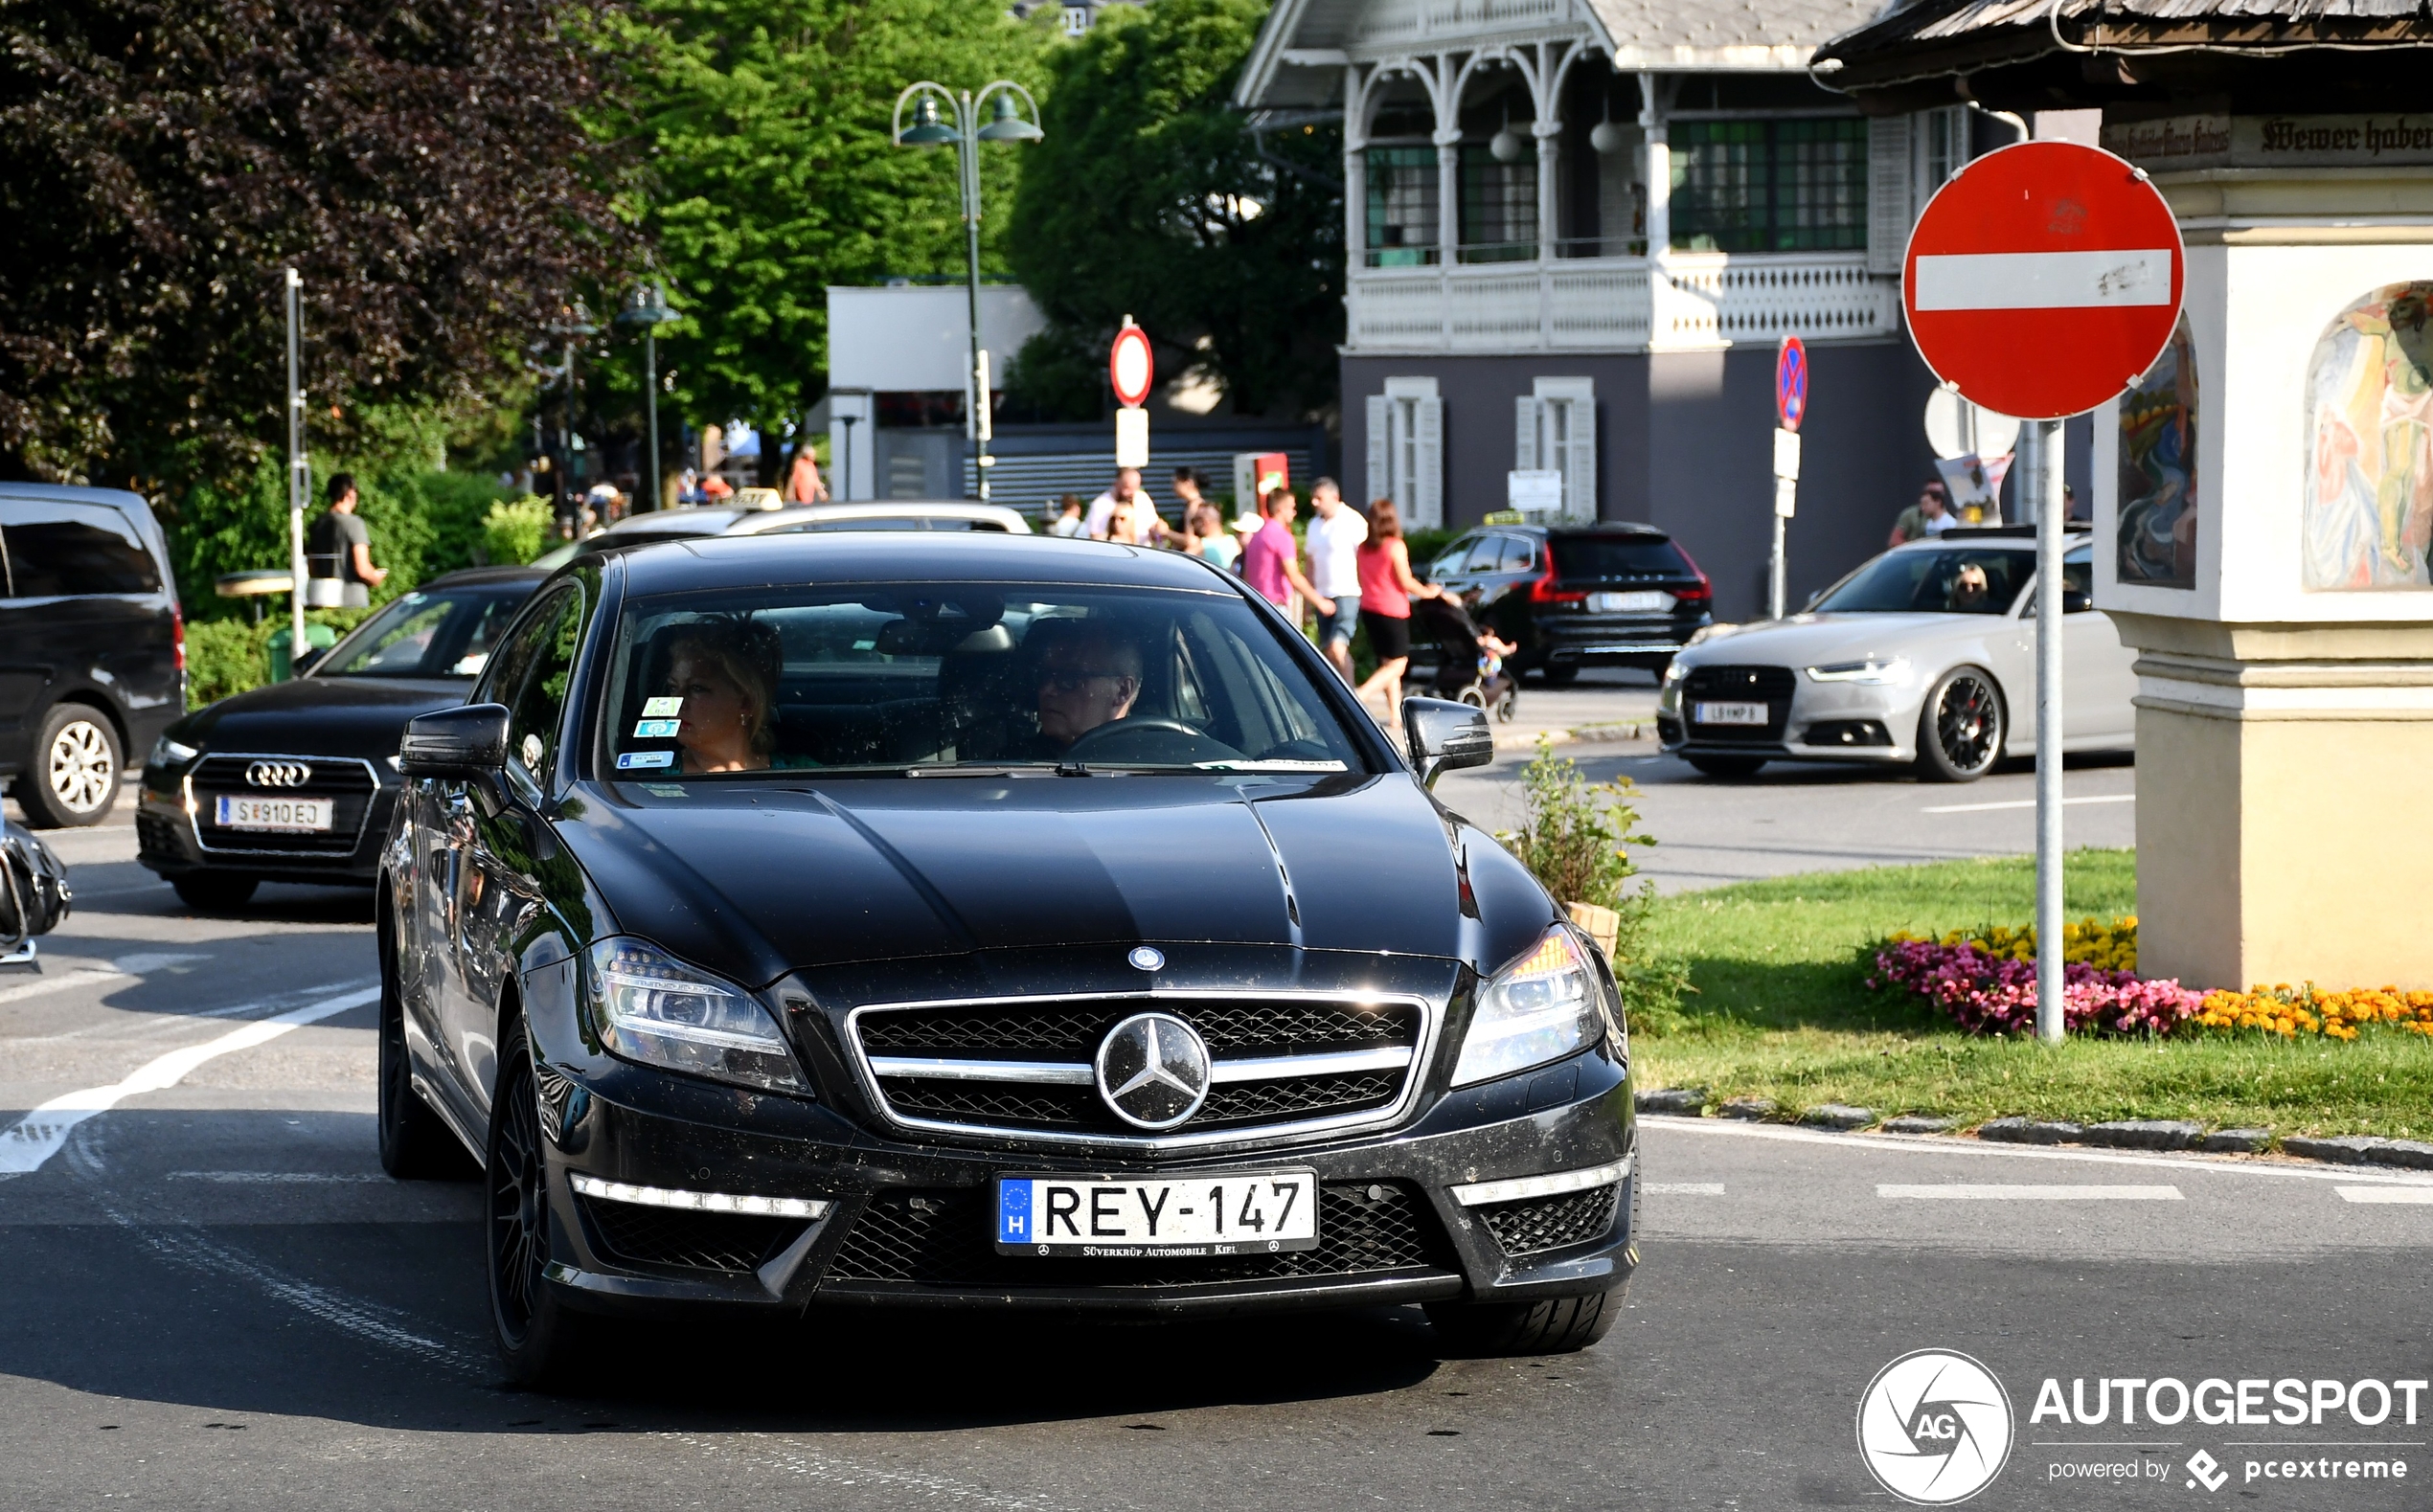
[2158, 470]
[2369, 511]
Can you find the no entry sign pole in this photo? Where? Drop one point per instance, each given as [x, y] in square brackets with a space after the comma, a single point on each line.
[2041, 280]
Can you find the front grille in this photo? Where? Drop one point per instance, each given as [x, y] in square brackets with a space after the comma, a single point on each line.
[1067, 1034]
[348, 784]
[1771, 686]
[700, 1241]
[945, 1239]
[1552, 1223]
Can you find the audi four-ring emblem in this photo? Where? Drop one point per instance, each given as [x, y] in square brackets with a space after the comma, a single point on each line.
[279, 774]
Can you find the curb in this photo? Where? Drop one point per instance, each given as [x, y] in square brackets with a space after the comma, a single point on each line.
[2125, 1134]
[1615, 733]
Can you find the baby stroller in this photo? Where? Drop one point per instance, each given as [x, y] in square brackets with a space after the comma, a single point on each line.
[1465, 672]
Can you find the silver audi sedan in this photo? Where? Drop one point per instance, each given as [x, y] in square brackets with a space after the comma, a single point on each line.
[1926, 655]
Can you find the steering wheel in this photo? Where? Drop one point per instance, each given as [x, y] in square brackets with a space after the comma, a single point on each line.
[1117, 729]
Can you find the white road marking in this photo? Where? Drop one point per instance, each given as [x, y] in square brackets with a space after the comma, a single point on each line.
[1990, 1191]
[1687, 1188]
[2044, 279]
[2026, 802]
[38, 1137]
[2418, 1196]
[1946, 1145]
[127, 966]
[274, 1178]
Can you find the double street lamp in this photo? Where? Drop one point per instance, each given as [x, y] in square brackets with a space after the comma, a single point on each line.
[930, 129]
[646, 307]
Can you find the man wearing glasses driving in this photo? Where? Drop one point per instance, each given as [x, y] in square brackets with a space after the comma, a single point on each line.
[1088, 676]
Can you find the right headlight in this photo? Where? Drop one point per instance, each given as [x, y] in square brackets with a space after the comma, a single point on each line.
[655, 1010]
[1542, 1006]
[1873, 670]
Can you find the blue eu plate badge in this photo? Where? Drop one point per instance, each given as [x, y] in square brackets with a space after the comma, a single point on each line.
[1014, 1213]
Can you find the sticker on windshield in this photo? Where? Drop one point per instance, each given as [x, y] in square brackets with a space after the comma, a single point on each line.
[666, 790]
[656, 729]
[631, 760]
[662, 707]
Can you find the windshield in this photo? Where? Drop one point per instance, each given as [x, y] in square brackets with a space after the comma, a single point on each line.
[445, 634]
[958, 676]
[1933, 581]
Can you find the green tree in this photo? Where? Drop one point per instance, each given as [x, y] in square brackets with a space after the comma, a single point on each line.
[771, 175]
[1151, 197]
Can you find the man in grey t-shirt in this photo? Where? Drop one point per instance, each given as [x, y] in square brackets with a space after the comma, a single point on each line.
[339, 547]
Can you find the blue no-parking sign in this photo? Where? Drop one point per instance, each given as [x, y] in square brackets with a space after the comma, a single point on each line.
[1790, 383]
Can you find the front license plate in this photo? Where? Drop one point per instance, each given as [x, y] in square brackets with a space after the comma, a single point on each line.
[1118, 1218]
[275, 813]
[1728, 714]
[1641, 601]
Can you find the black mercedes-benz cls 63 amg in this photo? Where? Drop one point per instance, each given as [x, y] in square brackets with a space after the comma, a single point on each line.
[787, 923]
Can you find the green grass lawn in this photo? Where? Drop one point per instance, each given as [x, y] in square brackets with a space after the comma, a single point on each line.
[1781, 1010]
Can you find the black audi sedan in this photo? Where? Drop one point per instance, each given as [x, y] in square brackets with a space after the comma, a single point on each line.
[294, 783]
[946, 921]
[1572, 596]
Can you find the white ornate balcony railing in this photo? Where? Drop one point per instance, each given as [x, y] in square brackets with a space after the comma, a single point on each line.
[1689, 300]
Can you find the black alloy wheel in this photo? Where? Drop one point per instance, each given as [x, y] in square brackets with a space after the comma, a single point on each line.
[415, 1146]
[216, 892]
[1960, 727]
[537, 1337]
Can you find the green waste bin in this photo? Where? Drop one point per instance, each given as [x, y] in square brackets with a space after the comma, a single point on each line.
[318, 636]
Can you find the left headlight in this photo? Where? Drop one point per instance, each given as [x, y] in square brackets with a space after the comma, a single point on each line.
[1874, 670]
[1542, 1006]
[655, 1009]
[170, 752]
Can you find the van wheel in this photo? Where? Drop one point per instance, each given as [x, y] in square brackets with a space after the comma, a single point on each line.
[216, 892]
[74, 778]
[1556, 1326]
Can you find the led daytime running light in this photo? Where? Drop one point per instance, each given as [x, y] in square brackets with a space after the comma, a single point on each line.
[700, 1201]
[1520, 1188]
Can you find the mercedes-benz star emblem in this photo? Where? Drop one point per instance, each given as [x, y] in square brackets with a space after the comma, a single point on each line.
[1153, 1069]
[1148, 958]
[279, 774]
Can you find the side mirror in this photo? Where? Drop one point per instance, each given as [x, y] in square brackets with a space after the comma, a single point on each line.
[311, 659]
[2077, 601]
[1445, 736]
[463, 744]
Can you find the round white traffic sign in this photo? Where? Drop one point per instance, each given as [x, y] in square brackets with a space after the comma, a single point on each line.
[1131, 366]
[2043, 278]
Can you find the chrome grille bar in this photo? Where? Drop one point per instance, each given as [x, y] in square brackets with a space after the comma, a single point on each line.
[1075, 1074]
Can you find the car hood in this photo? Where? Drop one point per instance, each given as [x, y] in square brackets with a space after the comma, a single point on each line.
[338, 716]
[1818, 639]
[762, 880]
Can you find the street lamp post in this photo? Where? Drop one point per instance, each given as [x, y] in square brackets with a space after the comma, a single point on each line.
[646, 307]
[966, 133]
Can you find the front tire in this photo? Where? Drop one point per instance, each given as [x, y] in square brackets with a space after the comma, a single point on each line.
[216, 892]
[1960, 727]
[73, 781]
[1554, 1326]
[541, 1342]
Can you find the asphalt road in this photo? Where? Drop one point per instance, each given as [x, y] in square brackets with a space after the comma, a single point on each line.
[214, 1300]
[1788, 817]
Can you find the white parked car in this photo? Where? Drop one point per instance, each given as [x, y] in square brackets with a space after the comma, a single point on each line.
[882, 515]
[1925, 654]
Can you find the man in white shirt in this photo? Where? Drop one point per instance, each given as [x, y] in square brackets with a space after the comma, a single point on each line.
[1100, 520]
[1334, 540]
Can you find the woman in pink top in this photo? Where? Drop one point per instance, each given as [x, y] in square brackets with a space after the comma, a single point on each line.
[1386, 591]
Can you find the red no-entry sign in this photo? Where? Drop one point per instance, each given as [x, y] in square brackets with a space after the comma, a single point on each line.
[2043, 278]
[1132, 367]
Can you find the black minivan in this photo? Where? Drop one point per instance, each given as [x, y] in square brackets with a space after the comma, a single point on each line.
[92, 646]
[1575, 596]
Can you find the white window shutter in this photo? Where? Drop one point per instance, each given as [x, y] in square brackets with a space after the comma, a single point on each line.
[1889, 180]
[1525, 433]
[1579, 468]
[1381, 445]
[1427, 489]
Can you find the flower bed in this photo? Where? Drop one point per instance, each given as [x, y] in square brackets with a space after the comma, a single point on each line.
[1985, 979]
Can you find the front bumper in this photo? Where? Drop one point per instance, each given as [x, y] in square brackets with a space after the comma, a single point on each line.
[170, 841]
[908, 1224]
[1575, 640]
[1876, 723]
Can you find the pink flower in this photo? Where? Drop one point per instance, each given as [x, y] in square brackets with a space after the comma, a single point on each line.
[1992, 995]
